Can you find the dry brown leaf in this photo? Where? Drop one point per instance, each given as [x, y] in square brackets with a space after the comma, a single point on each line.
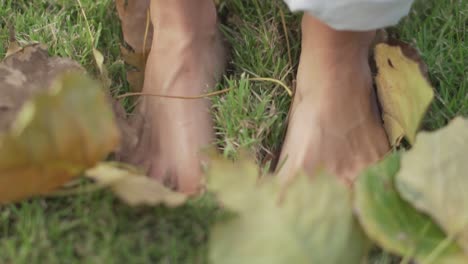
[138, 34]
[25, 72]
[56, 135]
[404, 91]
[134, 16]
[48, 121]
[133, 187]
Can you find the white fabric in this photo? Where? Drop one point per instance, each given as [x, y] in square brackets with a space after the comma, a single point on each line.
[356, 15]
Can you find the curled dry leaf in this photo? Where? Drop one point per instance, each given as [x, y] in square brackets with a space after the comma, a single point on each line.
[312, 224]
[133, 187]
[56, 135]
[404, 91]
[434, 176]
[394, 224]
[138, 34]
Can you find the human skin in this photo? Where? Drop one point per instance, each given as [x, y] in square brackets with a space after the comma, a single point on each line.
[334, 122]
[186, 59]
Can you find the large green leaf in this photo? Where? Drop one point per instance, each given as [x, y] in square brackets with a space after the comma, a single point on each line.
[434, 177]
[394, 224]
[311, 223]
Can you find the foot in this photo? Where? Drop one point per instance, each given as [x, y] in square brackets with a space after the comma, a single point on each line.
[186, 60]
[334, 122]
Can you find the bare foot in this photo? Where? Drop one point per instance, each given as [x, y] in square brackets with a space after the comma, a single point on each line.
[186, 59]
[334, 123]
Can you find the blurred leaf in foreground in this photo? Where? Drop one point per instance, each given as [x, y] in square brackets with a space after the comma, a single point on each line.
[394, 224]
[25, 72]
[434, 177]
[56, 135]
[313, 222]
[133, 187]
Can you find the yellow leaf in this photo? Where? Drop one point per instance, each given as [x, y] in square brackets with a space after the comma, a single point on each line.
[99, 59]
[134, 188]
[434, 177]
[56, 135]
[404, 92]
[312, 224]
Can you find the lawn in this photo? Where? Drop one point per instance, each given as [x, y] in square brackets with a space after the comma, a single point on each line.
[95, 227]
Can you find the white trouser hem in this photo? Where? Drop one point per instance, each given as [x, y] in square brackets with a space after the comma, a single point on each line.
[358, 15]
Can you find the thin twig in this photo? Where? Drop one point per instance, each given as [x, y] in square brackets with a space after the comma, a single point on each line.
[282, 84]
[175, 96]
[146, 30]
[204, 95]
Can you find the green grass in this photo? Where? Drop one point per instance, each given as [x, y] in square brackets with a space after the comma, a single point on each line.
[96, 228]
[439, 29]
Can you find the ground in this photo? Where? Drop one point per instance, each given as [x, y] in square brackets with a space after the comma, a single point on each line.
[95, 227]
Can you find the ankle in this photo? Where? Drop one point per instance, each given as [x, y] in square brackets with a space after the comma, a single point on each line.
[318, 36]
[337, 82]
[184, 16]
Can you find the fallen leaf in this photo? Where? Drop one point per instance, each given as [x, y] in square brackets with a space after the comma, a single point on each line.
[138, 34]
[99, 59]
[434, 175]
[103, 73]
[394, 224]
[133, 15]
[133, 187]
[404, 91]
[312, 224]
[24, 73]
[56, 135]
